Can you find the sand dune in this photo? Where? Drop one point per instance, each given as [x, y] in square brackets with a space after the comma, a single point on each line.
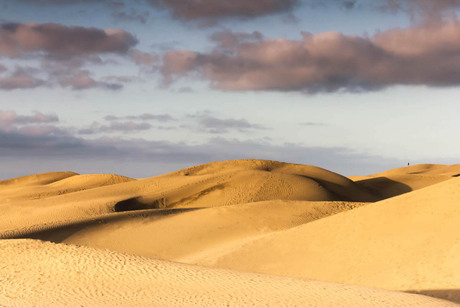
[216, 184]
[248, 215]
[63, 275]
[37, 179]
[410, 242]
[402, 180]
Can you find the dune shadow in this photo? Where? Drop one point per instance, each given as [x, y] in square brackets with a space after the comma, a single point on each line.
[452, 295]
[383, 187]
[60, 233]
[136, 203]
[338, 192]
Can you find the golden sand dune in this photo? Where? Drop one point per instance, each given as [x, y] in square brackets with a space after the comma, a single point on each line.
[410, 242]
[52, 184]
[216, 184]
[248, 215]
[64, 275]
[38, 179]
[402, 180]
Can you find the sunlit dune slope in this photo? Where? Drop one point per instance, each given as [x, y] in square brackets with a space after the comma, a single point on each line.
[402, 180]
[65, 201]
[52, 184]
[37, 179]
[64, 275]
[184, 236]
[409, 242]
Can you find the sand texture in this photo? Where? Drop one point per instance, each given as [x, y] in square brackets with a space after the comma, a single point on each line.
[203, 236]
[64, 275]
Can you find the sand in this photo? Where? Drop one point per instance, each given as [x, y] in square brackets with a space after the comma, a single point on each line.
[406, 179]
[320, 239]
[45, 274]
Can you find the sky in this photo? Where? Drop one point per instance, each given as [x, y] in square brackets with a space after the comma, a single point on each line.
[145, 87]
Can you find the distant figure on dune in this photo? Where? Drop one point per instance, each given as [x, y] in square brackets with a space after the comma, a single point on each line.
[408, 163]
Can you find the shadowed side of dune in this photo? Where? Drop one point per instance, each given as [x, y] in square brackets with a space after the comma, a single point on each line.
[59, 234]
[452, 295]
[384, 187]
[405, 179]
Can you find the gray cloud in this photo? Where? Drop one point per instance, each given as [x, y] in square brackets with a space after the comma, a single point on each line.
[125, 127]
[216, 125]
[63, 53]
[310, 124]
[229, 40]
[55, 39]
[138, 158]
[60, 1]
[82, 81]
[148, 62]
[145, 117]
[421, 10]
[36, 125]
[212, 10]
[20, 79]
[131, 15]
[10, 118]
[420, 55]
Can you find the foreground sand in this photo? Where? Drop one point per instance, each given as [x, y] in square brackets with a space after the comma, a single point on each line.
[249, 215]
[46, 274]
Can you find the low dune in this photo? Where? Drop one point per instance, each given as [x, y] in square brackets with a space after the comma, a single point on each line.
[64, 275]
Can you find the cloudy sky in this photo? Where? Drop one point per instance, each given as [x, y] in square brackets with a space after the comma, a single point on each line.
[144, 87]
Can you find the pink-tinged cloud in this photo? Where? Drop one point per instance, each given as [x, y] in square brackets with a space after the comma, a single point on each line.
[60, 40]
[19, 79]
[217, 9]
[143, 58]
[82, 81]
[2, 68]
[420, 55]
[40, 130]
[125, 127]
[11, 118]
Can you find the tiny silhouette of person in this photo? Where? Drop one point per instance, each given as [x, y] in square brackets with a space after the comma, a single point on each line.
[408, 163]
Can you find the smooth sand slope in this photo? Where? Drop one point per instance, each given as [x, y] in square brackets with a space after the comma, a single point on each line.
[69, 198]
[405, 179]
[409, 243]
[64, 275]
[191, 234]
